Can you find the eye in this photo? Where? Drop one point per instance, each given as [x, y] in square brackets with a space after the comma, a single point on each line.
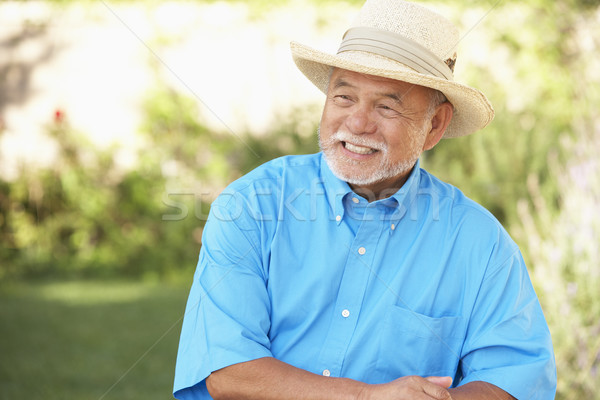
[387, 111]
[342, 100]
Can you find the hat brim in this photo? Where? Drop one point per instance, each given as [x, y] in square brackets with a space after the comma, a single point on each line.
[472, 110]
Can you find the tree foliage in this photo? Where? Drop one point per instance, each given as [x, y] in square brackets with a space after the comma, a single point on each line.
[86, 217]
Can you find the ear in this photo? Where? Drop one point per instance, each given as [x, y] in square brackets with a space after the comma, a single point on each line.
[439, 122]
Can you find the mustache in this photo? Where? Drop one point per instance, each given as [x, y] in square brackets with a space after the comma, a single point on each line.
[359, 140]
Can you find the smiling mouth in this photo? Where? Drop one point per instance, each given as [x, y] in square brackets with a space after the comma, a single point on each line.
[358, 149]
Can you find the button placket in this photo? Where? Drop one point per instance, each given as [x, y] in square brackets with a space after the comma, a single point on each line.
[355, 279]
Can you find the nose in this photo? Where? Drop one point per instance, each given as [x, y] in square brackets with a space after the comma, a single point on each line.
[361, 121]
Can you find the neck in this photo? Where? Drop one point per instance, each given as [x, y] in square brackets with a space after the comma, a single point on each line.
[381, 189]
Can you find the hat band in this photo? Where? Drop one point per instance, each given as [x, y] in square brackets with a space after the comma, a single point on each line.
[396, 47]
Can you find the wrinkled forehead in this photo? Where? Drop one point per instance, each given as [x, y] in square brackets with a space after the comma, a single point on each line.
[345, 78]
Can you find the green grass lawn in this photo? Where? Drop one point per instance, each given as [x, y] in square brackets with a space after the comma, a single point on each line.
[89, 340]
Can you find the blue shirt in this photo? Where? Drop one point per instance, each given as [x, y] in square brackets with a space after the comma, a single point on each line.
[296, 266]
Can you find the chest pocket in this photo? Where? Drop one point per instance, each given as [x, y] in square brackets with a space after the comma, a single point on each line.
[416, 344]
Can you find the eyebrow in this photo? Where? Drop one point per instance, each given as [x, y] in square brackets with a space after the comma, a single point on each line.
[342, 83]
[397, 97]
[394, 96]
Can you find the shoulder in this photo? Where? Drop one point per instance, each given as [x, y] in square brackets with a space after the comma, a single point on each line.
[265, 186]
[451, 196]
[465, 218]
[274, 171]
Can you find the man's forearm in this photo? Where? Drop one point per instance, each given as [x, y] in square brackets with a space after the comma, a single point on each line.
[269, 378]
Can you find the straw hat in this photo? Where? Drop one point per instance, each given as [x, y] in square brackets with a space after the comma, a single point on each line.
[407, 42]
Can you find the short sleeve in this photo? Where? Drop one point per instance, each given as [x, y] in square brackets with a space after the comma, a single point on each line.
[226, 319]
[508, 342]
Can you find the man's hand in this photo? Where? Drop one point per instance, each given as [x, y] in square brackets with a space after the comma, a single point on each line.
[409, 388]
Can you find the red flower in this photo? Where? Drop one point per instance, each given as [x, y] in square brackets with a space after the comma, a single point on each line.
[59, 116]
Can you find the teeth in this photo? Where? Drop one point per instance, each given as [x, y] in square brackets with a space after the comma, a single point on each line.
[359, 149]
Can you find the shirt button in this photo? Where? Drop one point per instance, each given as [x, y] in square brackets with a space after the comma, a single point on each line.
[345, 313]
[393, 226]
[355, 200]
[326, 372]
[362, 251]
[338, 218]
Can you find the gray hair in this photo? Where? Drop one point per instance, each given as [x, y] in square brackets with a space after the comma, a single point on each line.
[435, 99]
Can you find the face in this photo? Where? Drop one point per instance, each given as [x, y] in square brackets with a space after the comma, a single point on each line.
[374, 129]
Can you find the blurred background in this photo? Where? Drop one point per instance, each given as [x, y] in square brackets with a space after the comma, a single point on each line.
[120, 121]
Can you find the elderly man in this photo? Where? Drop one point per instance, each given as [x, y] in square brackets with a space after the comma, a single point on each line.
[354, 273]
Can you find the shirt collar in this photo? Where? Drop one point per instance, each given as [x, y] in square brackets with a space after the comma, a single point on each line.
[336, 189]
[408, 192]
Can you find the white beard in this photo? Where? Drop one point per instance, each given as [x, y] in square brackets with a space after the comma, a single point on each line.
[361, 175]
